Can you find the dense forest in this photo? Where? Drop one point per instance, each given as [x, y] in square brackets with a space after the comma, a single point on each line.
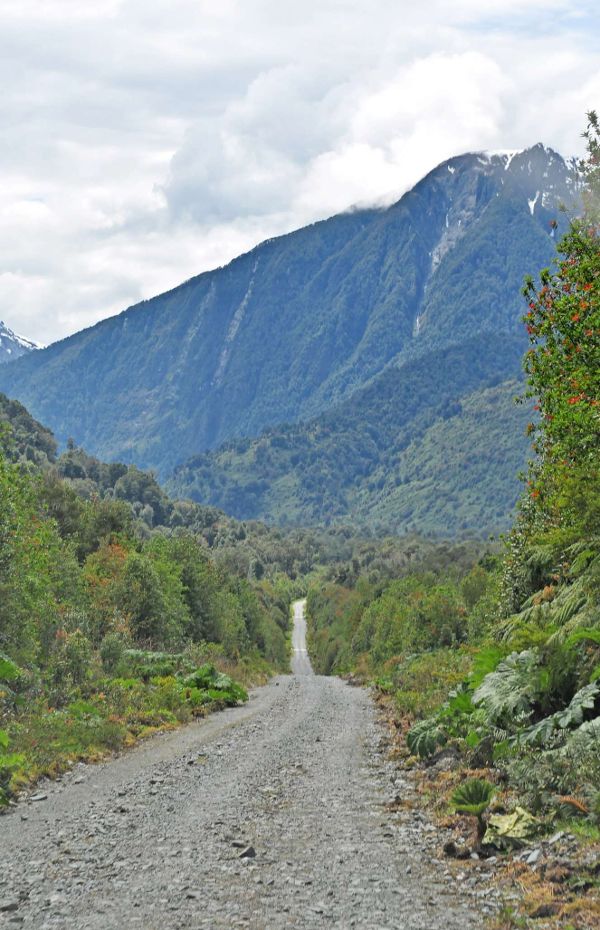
[433, 447]
[498, 664]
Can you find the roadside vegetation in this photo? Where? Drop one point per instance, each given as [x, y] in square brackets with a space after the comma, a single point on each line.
[494, 672]
[113, 596]
[115, 617]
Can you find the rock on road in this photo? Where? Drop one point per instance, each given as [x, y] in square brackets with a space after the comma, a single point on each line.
[265, 816]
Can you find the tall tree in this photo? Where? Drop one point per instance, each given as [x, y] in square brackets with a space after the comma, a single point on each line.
[563, 362]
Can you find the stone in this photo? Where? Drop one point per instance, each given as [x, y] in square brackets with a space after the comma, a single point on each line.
[248, 853]
[545, 910]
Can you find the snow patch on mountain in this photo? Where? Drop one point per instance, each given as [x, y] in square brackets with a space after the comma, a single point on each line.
[533, 202]
[13, 346]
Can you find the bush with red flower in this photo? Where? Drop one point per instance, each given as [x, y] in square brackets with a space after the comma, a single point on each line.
[563, 362]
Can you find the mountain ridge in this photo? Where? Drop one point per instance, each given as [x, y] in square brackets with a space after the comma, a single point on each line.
[299, 323]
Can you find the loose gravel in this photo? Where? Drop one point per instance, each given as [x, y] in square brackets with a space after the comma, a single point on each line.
[267, 816]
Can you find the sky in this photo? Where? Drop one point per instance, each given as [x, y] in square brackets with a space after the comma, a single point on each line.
[145, 141]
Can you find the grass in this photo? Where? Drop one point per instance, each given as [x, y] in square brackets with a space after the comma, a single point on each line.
[582, 829]
[110, 714]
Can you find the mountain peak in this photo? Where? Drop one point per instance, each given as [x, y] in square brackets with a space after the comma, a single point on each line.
[12, 345]
[298, 325]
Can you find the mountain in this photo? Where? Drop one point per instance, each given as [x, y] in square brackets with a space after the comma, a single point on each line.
[434, 445]
[13, 346]
[301, 323]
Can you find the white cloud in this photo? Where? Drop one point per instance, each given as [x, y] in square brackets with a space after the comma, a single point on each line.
[143, 142]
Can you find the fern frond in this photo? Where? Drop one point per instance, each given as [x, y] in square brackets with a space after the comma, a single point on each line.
[512, 688]
[425, 738]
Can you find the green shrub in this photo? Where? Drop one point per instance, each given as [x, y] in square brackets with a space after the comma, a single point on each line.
[216, 685]
[8, 763]
[111, 651]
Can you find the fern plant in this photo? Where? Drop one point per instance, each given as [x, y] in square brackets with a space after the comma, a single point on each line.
[512, 688]
[572, 716]
[425, 738]
[474, 797]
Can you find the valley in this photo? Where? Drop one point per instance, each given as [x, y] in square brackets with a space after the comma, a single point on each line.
[324, 499]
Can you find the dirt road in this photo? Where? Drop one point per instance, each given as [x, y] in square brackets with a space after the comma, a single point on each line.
[265, 816]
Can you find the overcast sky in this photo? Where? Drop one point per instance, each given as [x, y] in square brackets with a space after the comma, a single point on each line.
[144, 141]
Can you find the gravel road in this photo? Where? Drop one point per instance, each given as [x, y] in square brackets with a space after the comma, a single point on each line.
[268, 816]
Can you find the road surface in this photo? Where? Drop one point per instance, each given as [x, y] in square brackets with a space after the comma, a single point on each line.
[266, 816]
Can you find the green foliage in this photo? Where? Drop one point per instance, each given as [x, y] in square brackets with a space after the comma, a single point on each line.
[410, 615]
[9, 670]
[146, 664]
[512, 688]
[425, 738]
[422, 681]
[111, 651]
[572, 716]
[563, 322]
[216, 685]
[473, 796]
[360, 611]
[8, 763]
[390, 456]
[25, 440]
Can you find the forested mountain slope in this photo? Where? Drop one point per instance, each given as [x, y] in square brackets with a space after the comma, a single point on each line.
[435, 445]
[304, 321]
